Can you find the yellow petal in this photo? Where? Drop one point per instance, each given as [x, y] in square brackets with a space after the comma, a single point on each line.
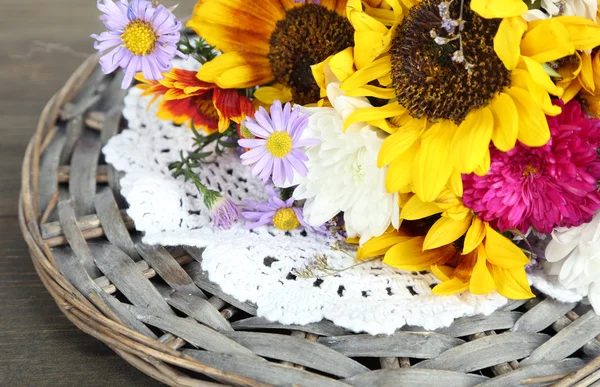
[506, 122]
[368, 45]
[446, 231]
[474, 236]
[483, 168]
[432, 167]
[503, 252]
[376, 69]
[494, 9]
[374, 113]
[507, 42]
[398, 177]
[533, 126]
[409, 255]
[546, 41]
[450, 287]
[512, 283]
[443, 273]
[400, 142]
[372, 91]
[586, 77]
[481, 281]
[416, 209]
[455, 183]
[472, 140]
[235, 70]
[269, 94]
[342, 64]
[376, 247]
[584, 33]
[539, 76]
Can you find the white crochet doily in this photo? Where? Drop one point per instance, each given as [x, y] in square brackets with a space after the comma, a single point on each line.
[259, 265]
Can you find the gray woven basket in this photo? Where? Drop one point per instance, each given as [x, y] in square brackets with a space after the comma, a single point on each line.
[156, 309]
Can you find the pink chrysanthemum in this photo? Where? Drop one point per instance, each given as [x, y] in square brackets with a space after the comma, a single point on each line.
[547, 187]
[142, 38]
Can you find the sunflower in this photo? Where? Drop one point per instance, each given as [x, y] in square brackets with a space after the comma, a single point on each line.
[580, 76]
[186, 99]
[462, 74]
[460, 249]
[271, 41]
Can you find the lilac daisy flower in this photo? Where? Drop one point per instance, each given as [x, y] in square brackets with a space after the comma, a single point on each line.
[276, 149]
[142, 38]
[224, 213]
[275, 211]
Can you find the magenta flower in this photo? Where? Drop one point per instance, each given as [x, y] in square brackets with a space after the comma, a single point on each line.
[142, 38]
[275, 211]
[275, 152]
[552, 186]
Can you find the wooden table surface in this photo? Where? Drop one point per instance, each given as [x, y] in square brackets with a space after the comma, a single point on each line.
[41, 45]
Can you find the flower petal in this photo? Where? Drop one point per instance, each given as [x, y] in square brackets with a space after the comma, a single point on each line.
[472, 140]
[503, 252]
[446, 231]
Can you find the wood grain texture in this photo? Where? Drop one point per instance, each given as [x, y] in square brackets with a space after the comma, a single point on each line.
[42, 44]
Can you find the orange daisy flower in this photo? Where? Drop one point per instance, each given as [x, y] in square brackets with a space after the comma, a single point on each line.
[187, 100]
[271, 42]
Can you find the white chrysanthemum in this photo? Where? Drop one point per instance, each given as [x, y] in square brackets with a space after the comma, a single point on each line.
[574, 256]
[342, 171]
[551, 8]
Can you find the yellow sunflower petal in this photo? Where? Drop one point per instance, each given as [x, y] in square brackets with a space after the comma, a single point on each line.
[539, 75]
[472, 140]
[455, 184]
[450, 287]
[546, 41]
[342, 64]
[584, 33]
[445, 231]
[442, 273]
[415, 209]
[512, 283]
[372, 91]
[474, 236]
[501, 251]
[409, 255]
[481, 281]
[507, 42]
[495, 9]
[506, 122]
[361, 77]
[533, 126]
[269, 94]
[396, 144]
[398, 177]
[374, 113]
[586, 77]
[432, 167]
[235, 70]
[378, 246]
[483, 168]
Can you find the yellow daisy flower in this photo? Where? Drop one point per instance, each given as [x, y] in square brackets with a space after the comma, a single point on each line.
[451, 97]
[271, 41]
[460, 249]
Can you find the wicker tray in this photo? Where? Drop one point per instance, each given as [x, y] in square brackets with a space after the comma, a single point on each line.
[157, 310]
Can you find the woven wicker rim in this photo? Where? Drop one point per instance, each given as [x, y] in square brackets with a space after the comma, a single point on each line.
[164, 359]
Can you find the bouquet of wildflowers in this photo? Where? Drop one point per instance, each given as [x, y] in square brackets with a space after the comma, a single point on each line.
[458, 137]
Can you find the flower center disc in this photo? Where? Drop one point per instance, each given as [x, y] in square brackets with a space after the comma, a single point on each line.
[139, 38]
[428, 82]
[308, 35]
[285, 219]
[279, 144]
[207, 108]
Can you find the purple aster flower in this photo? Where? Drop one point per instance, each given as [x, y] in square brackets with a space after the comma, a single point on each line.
[275, 150]
[141, 37]
[275, 211]
[224, 213]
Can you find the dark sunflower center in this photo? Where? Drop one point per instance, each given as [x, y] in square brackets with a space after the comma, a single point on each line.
[431, 78]
[308, 35]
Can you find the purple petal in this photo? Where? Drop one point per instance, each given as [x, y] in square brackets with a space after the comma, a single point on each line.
[276, 113]
[251, 142]
[256, 129]
[298, 165]
[278, 173]
[306, 142]
[263, 119]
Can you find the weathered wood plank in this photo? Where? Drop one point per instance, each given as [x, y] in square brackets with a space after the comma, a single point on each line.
[322, 328]
[112, 222]
[167, 268]
[200, 278]
[127, 277]
[49, 162]
[263, 371]
[542, 315]
[486, 352]
[191, 331]
[82, 181]
[407, 377]
[70, 267]
[300, 351]
[114, 182]
[74, 130]
[568, 340]
[66, 214]
[196, 307]
[422, 345]
[88, 222]
[88, 96]
[512, 305]
[516, 377]
[470, 325]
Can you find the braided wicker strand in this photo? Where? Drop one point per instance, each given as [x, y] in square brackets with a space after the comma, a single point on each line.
[156, 308]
